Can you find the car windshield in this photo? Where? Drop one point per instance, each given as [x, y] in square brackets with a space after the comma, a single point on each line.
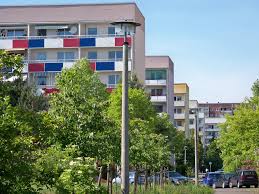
[215, 176]
[249, 173]
[174, 174]
[229, 175]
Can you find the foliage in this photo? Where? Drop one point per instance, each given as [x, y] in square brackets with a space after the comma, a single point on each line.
[239, 135]
[64, 171]
[10, 65]
[79, 111]
[213, 155]
[255, 88]
[17, 144]
[173, 189]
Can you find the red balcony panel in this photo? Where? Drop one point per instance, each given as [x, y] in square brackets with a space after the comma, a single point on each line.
[120, 41]
[36, 67]
[93, 66]
[48, 91]
[109, 90]
[20, 43]
[71, 42]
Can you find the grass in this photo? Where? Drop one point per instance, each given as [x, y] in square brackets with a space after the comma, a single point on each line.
[169, 189]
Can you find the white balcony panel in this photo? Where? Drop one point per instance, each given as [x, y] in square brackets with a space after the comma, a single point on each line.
[215, 120]
[155, 82]
[179, 103]
[192, 116]
[105, 42]
[6, 44]
[179, 116]
[68, 64]
[53, 43]
[180, 128]
[119, 65]
[212, 130]
[158, 98]
[192, 126]
[201, 115]
[25, 68]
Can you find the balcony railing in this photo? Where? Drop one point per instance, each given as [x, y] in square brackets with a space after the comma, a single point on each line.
[179, 116]
[158, 98]
[155, 82]
[61, 36]
[179, 103]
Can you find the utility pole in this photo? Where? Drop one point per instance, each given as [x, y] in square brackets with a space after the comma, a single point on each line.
[185, 160]
[196, 147]
[127, 28]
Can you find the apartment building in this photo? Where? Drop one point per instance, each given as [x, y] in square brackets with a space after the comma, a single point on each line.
[52, 37]
[181, 107]
[159, 83]
[214, 114]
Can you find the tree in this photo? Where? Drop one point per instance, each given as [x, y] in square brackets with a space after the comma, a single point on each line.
[255, 88]
[239, 135]
[213, 155]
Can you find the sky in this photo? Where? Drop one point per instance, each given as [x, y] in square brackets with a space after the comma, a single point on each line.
[214, 44]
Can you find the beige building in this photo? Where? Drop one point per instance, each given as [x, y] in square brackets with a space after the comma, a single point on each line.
[52, 37]
[159, 83]
[181, 107]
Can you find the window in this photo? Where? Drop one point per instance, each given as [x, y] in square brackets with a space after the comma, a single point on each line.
[179, 124]
[111, 31]
[113, 80]
[158, 108]
[191, 121]
[42, 32]
[178, 98]
[156, 92]
[42, 79]
[15, 33]
[66, 56]
[64, 32]
[92, 55]
[92, 31]
[115, 55]
[178, 111]
[41, 56]
[155, 74]
[211, 126]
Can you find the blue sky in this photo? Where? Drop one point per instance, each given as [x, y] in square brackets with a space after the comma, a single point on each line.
[213, 43]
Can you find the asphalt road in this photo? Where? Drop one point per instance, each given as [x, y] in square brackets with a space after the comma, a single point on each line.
[238, 191]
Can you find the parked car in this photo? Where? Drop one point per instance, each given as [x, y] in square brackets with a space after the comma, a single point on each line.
[213, 179]
[244, 178]
[176, 178]
[141, 178]
[227, 179]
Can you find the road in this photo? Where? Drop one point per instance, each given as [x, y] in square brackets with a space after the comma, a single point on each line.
[237, 191]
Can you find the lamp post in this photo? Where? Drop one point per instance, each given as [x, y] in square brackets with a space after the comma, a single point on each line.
[195, 111]
[126, 28]
[210, 163]
[185, 161]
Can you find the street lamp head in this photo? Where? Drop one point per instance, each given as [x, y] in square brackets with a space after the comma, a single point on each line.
[126, 27]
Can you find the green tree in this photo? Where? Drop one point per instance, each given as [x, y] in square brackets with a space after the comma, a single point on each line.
[239, 135]
[213, 155]
[255, 88]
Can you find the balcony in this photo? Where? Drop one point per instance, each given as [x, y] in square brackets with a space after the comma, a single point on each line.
[57, 41]
[155, 82]
[180, 128]
[179, 116]
[212, 130]
[179, 103]
[98, 65]
[158, 98]
[192, 116]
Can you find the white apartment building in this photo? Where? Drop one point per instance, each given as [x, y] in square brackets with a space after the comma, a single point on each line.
[159, 83]
[52, 37]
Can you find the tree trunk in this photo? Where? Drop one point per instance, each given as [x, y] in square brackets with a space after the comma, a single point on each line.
[108, 178]
[146, 181]
[161, 177]
[100, 176]
[135, 181]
